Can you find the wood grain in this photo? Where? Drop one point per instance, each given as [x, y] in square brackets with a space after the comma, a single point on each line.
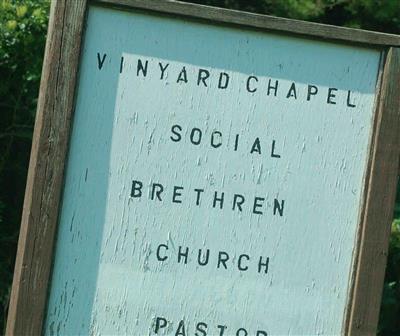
[51, 137]
[265, 22]
[44, 183]
[379, 201]
[114, 119]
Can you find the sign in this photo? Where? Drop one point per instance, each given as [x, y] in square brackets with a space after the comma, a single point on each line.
[220, 180]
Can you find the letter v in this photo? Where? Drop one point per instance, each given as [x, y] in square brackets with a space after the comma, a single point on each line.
[101, 61]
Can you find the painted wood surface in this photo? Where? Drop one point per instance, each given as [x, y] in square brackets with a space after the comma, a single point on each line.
[302, 183]
[45, 177]
[379, 203]
[259, 21]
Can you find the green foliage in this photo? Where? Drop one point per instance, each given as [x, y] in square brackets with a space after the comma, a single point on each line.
[366, 14]
[389, 323]
[375, 15]
[295, 9]
[22, 38]
[23, 27]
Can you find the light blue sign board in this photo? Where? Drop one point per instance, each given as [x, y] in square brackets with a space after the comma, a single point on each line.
[276, 258]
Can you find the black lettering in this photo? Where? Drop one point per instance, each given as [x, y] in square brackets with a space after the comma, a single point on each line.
[311, 91]
[141, 68]
[182, 77]
[272, 87]
[192, 136]
[273, 154]
[236, 142]
[100, 61]
[213, 144]
[240, 333]
[262, 264]
[248, 84]
[240, 266]
[256, 146]
[223, 257]
[331, 95]
[201, 327]
[261, 333]
[238, 200]
[161, 322]
[177, 194]
[226, 77]
[158, 192]
[198, 191]
[174, 130]
[348, 100]
[121, 64]
[221, 329]
[159, 257]
[183, 254]
[279, 207]
[181, 329]
[257, 205]
[136, 190]
[205, 262]
[218, 199]
[162, 68]
[292, 91]
[202, 76]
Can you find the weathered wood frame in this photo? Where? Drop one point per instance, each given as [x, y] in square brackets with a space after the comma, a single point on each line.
[52, 131]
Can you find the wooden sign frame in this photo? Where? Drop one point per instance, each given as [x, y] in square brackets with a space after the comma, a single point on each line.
[51, 139]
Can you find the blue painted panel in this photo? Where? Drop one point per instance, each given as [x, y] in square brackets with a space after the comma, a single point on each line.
[289, 167]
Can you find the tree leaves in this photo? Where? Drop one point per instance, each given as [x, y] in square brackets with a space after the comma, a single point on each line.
[23, 25]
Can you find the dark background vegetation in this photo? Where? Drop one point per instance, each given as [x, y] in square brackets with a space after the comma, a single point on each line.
[23, 25]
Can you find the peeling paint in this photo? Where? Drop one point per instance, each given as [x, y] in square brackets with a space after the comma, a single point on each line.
[108, 279]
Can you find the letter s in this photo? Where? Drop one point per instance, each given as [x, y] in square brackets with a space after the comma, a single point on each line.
[174, 131]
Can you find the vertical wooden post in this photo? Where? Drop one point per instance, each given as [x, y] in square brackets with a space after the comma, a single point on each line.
[51, 136]
[45, 177]
[378, 206]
